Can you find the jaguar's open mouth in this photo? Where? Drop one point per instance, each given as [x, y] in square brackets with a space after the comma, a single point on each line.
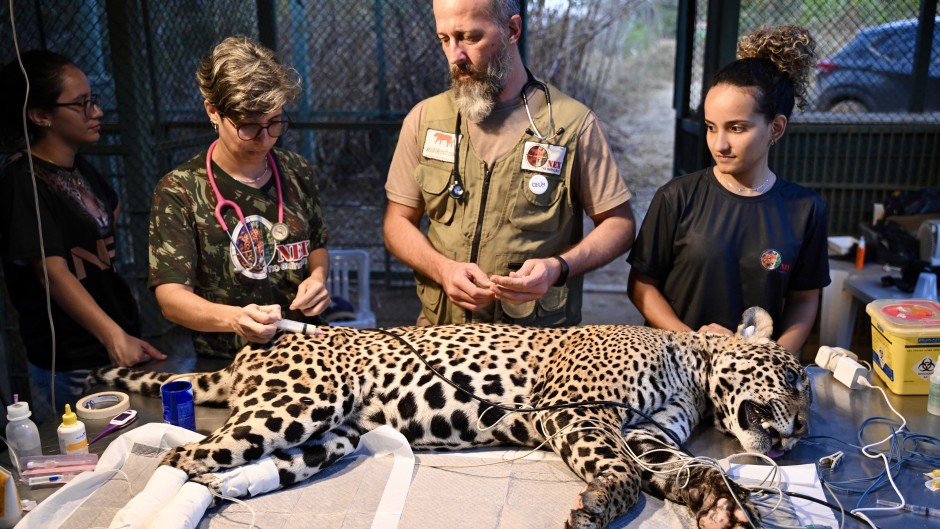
[756, 418]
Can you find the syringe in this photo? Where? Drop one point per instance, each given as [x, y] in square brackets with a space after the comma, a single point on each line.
[298, 327]
[915, 509]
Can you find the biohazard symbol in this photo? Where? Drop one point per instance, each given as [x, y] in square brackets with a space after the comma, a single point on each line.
[926, 365]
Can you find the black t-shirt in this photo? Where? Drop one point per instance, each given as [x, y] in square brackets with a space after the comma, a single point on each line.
[76, 206]
[715, 253]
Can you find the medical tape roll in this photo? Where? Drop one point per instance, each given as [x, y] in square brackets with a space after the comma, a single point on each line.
[102, 405]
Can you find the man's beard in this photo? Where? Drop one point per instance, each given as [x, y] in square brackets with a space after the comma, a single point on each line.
[476, 95]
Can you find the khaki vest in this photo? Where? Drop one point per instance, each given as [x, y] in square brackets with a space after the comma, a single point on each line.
[515, 223]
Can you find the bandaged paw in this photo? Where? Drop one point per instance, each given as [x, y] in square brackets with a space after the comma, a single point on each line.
[185, 510]
[158, 492]
[253, 479]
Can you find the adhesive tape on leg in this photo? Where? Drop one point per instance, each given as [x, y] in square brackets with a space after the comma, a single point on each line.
[102, 405]
[253, 479]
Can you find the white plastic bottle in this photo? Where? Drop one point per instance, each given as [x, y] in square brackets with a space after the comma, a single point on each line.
[72, 438]
[933, 398]
[22, 433]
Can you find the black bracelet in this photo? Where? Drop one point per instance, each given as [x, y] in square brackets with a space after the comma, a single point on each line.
[563, 276]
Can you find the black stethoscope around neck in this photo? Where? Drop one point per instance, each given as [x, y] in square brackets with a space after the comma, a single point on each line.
[456, 188]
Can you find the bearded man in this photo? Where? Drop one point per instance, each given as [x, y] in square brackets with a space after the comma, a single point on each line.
[505, 168]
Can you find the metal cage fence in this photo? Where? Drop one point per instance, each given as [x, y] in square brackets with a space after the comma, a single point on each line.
[872, 127]
[873, 118]
[362, 65]
[867, 55]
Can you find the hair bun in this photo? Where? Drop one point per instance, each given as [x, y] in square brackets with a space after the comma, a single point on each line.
[790, 48]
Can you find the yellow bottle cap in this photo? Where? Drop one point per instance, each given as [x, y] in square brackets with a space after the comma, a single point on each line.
[68, 418]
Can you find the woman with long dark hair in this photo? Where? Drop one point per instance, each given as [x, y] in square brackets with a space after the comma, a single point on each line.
[93, 313]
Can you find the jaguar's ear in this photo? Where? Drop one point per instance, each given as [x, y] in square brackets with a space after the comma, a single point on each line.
[755, 324]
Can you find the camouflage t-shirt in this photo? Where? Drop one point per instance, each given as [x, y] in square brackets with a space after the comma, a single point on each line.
[235, 266]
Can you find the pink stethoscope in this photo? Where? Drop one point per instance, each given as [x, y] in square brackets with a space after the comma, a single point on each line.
[279, 230]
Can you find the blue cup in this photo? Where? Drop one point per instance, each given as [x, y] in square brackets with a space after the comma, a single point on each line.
[178, 407]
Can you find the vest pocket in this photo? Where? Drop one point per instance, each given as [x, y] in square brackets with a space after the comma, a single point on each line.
[430, 294]
[539, 212]
[438, 203]
[549, 311]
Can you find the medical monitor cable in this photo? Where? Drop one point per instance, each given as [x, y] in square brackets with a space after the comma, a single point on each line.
[554, 407]
[861, 511]
[42, 244]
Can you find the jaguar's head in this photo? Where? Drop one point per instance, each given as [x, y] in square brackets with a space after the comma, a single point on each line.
[760, 393]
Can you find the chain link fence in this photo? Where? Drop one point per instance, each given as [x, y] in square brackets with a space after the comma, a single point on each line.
[872, 126]
[866, 57]
[364, 65]
[873, 120]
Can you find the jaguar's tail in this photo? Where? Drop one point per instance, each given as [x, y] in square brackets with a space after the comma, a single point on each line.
[208, 388]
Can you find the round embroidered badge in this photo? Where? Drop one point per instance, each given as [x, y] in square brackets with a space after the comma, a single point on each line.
[770, 259]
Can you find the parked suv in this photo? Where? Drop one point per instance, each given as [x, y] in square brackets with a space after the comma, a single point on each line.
[873, 73]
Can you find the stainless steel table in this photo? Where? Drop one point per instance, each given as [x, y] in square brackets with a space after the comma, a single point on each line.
[837, 412]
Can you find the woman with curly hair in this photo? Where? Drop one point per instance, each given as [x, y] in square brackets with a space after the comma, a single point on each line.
[237, 235]
[736, 235]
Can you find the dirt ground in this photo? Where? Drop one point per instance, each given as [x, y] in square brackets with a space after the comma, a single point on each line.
[642, 136]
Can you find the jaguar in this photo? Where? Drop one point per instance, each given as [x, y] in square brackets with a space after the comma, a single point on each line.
[615, 402]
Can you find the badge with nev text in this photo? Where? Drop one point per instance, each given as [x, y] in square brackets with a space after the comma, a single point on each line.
[252, 247]
[439, 145]
[543, 158]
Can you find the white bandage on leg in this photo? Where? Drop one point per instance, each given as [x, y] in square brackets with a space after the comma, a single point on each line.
[160, 490]
[186, 509]
[255, 478]
[385, 440]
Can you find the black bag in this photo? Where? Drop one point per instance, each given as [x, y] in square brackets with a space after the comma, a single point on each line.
[895, 245]
[918, 202]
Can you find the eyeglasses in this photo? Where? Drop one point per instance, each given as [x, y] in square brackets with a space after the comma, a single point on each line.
[87, 105]
[250, 131]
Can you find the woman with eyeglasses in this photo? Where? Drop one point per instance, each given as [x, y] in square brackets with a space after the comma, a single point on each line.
[237, 236]
[94, 317]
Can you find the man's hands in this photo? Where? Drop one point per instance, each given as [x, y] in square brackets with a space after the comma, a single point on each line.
[467, 286]
[531, 281]
[312, 297]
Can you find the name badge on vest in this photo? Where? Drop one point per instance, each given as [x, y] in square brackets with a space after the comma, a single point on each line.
[439, 145]
[543, 158]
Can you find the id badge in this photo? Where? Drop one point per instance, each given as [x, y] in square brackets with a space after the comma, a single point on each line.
[440, 145]
[543, 157]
